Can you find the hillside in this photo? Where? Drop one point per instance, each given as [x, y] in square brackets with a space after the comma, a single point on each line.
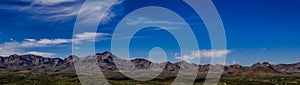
[31, 66]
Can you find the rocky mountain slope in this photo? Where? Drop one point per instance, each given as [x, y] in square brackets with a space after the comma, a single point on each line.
[106, 63]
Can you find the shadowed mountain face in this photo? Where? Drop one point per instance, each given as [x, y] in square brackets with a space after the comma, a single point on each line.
[30, 61]
[259, 69]
[141, 63]
[289, 68]
[106, 63]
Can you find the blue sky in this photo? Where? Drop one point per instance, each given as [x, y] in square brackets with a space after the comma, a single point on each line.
[256, 30]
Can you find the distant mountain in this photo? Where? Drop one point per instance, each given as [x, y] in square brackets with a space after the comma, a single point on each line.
[259, 69]
[233, 69]
[29, 61]
[289, 68]
[106, 63]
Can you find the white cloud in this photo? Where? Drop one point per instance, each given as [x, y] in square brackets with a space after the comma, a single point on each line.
[93, 11]
[263, 49]
[162, 24]
[235, 62]
[14, 47]
[30, 40]
[28, 43]
[141, 20]
[44, 54]
[89, 35]
[50, 2]
[11, 39]
[61, 10]
[8, 49]
[53, 41]
[57, 13]
[203, 54]
[86, 36]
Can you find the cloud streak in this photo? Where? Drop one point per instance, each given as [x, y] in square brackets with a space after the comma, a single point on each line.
[8, 49]
[141, 20]
[44, 54]
[14, 47]
[203, 54]
[59, 10]
[49, 2]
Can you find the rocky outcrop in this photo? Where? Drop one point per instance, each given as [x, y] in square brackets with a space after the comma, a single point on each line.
[289, 68]
[106, 62]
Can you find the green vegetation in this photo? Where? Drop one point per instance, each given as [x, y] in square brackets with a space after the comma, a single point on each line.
[70, 78]
[25, 78]
[276, 80]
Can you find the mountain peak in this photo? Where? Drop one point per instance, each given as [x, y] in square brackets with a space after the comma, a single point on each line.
[140, 59]
[13, 55]
[106, 53]
[30, 55]
[261, 69]
[267, 64]
[106, 63]
[70, 58]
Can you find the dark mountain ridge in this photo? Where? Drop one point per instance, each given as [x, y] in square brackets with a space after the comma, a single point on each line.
[106, 63]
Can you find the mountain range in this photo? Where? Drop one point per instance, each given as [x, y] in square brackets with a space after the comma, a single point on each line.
[105, 61]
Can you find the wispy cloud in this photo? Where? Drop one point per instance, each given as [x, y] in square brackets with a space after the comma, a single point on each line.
[163, 24]
[89, 36]
[59, 10]
[42, 42]
[263, 49]
[78, 38]
[50, 10]
[8, 49]
[141, 20]
[45, 54]
[49, 2]
[14, 47]
[94, 9]
[203, 54]
[234, 62]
